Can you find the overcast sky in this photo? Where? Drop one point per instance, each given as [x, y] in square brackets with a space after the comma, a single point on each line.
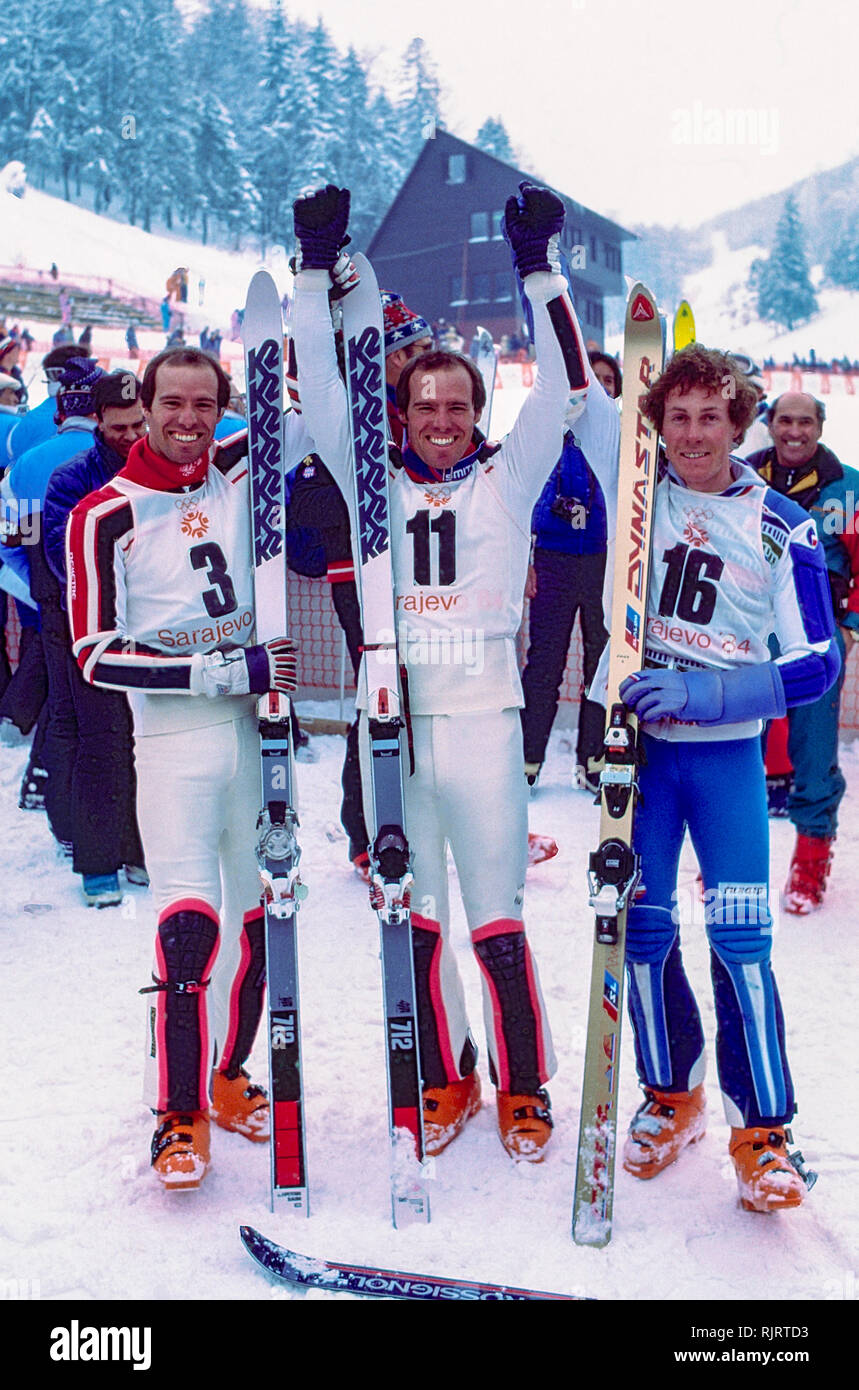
[662, 112]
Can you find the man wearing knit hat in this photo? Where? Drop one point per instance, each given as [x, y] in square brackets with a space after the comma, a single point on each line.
[74, 417]
[407, 335]
[98, 726]
[39, 424]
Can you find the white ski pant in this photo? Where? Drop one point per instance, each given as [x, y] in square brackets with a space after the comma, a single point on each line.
[468, 791]
[198, 801]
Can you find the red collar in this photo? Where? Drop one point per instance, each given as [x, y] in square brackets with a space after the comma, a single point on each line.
[150, 469]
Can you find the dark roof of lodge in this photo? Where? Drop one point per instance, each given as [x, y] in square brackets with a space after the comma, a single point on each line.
[514, 176]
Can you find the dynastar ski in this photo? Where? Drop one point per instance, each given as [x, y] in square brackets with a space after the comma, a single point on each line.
[277, 848]
[390, 856]
[684, 326]
[613, 872]
[304, 1272]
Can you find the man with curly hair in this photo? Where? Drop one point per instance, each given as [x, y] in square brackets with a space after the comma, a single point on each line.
[732, 562]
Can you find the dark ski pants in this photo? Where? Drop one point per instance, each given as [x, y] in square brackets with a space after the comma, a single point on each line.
[5, 668]
[812, 744]
[89, 756]
[27, 691]
[60, 740]
[104, 782]
[566, 585]
[717, 790]
[346, 605]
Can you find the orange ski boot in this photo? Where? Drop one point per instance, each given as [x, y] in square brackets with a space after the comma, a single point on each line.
[447, 1109]
[180, 1149]
[661, 1128]
[240, 1106]
[525, 1124]
[766, 1177]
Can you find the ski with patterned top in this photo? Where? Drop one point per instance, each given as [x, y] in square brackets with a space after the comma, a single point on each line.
[390, 856]
[277, 848]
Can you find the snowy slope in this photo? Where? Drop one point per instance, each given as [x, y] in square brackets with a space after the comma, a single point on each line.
[39, 228]
[725, 314]
[82, 1216]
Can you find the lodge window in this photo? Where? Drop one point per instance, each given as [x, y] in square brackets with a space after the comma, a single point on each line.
[479, 288]
[478, 226]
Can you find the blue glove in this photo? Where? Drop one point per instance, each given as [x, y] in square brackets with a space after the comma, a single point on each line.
[321, 219]
[706, 697]
[532, 224]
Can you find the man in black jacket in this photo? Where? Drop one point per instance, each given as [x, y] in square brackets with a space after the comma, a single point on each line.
[102, 794]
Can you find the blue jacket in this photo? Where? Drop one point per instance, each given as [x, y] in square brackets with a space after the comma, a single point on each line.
[230, 424]
[84, 473]
[30, 474]
[31, 429]
[8, 422]
[829, 490]
[573, 484]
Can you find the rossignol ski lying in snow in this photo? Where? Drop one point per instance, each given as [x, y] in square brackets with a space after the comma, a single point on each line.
[370, 1282]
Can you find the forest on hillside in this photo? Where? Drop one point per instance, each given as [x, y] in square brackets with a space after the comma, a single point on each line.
[208, 124]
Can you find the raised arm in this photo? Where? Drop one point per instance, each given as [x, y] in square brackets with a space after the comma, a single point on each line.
[321, 219]
[532, 223]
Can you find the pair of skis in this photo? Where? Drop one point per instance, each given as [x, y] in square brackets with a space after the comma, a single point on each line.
[278, 853]
[613, 868]
[277, 849]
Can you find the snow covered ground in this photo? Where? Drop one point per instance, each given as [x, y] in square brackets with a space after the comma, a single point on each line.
[40, 228]
[83, 1220]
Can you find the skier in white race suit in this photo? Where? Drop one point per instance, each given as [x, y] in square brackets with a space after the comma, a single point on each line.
[161, 605]
[460, 540]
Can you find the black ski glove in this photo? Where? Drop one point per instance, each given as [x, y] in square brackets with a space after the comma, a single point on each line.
[321, 219]
[532, 225]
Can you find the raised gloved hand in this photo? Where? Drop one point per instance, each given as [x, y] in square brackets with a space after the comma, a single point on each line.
[248, 670]
[706, 697]
[532, 225]
[321, 219]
